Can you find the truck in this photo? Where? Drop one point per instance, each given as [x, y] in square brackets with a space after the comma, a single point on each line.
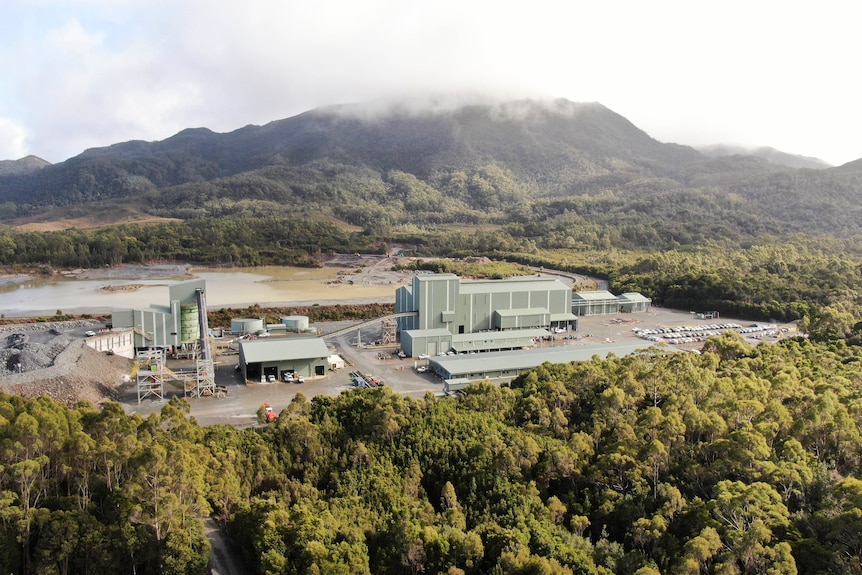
[268, 413]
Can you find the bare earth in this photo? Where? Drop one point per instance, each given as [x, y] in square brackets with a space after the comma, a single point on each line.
[60, 219]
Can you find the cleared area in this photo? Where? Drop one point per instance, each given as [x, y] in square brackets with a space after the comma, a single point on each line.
[597, 335]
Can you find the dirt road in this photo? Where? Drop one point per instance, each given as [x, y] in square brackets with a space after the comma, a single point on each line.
[224, 558]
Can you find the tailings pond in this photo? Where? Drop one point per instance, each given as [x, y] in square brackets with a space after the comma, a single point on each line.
[32, 297]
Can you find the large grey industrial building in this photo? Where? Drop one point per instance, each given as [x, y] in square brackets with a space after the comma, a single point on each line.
[499, 328]
[480, 315]
[472, 367]
[171, 327]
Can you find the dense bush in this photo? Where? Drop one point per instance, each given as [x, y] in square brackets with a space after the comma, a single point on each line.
[736, 460]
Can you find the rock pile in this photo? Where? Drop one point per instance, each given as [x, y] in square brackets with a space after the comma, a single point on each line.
[41, 359]
[19, 352]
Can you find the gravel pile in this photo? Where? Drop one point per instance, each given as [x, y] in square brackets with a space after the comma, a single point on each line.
[56, 364]
[52, 326]
[21, 360]
[94, 377]
[21, 355]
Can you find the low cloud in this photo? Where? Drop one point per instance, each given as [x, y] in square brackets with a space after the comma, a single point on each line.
[13, 140]
[84, 73]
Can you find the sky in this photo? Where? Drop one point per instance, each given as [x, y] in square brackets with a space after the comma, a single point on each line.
[79, 74]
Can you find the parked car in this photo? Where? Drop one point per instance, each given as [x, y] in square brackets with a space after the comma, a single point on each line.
[89, 333]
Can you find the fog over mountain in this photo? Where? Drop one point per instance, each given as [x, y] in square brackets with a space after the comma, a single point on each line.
[397, 162]
[769, 154]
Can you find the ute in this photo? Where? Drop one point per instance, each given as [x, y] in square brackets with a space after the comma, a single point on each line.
[291, 376]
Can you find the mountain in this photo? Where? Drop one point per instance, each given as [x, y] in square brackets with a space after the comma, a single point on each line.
[771, 155]
[522, 161]
[25, 165]
[851, 167]
[534, 140]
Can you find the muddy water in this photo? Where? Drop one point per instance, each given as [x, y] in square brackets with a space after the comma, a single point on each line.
[269, 285]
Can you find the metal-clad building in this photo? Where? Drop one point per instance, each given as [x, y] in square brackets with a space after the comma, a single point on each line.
[601, 302]
[595, 303]
[261, 358]
[633, 302]
[475, 367]
[433, 296]
[480, 315]
[165, 327]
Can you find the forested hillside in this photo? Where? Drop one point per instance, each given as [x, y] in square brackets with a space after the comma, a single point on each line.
[560, 184]
[524, 161]
[737, 460]
[556, 143]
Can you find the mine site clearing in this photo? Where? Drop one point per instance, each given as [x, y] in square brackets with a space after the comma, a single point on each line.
[52, 358]
[93, 376]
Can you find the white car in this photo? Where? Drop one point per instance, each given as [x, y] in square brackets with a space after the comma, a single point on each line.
[89, 333]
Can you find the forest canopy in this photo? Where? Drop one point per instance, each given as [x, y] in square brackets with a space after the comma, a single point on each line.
[736, 460]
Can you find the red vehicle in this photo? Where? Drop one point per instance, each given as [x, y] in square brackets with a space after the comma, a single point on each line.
[268, 413]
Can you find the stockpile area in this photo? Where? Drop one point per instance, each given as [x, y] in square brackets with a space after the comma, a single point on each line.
[20, 354]
[45, 359]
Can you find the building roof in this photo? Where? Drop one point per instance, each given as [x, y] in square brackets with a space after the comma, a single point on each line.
[634, 297]
[522, 311]
[492, 336]
[529, 358]
[511, 284]
[147, 309]
[598, 295]
[432, 276]
[283, 349]
[566, 316]
[433, 332]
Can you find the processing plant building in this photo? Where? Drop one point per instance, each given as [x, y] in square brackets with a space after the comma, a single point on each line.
[463, 369]
[449, 314]
[174, 327]
[179, 329]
